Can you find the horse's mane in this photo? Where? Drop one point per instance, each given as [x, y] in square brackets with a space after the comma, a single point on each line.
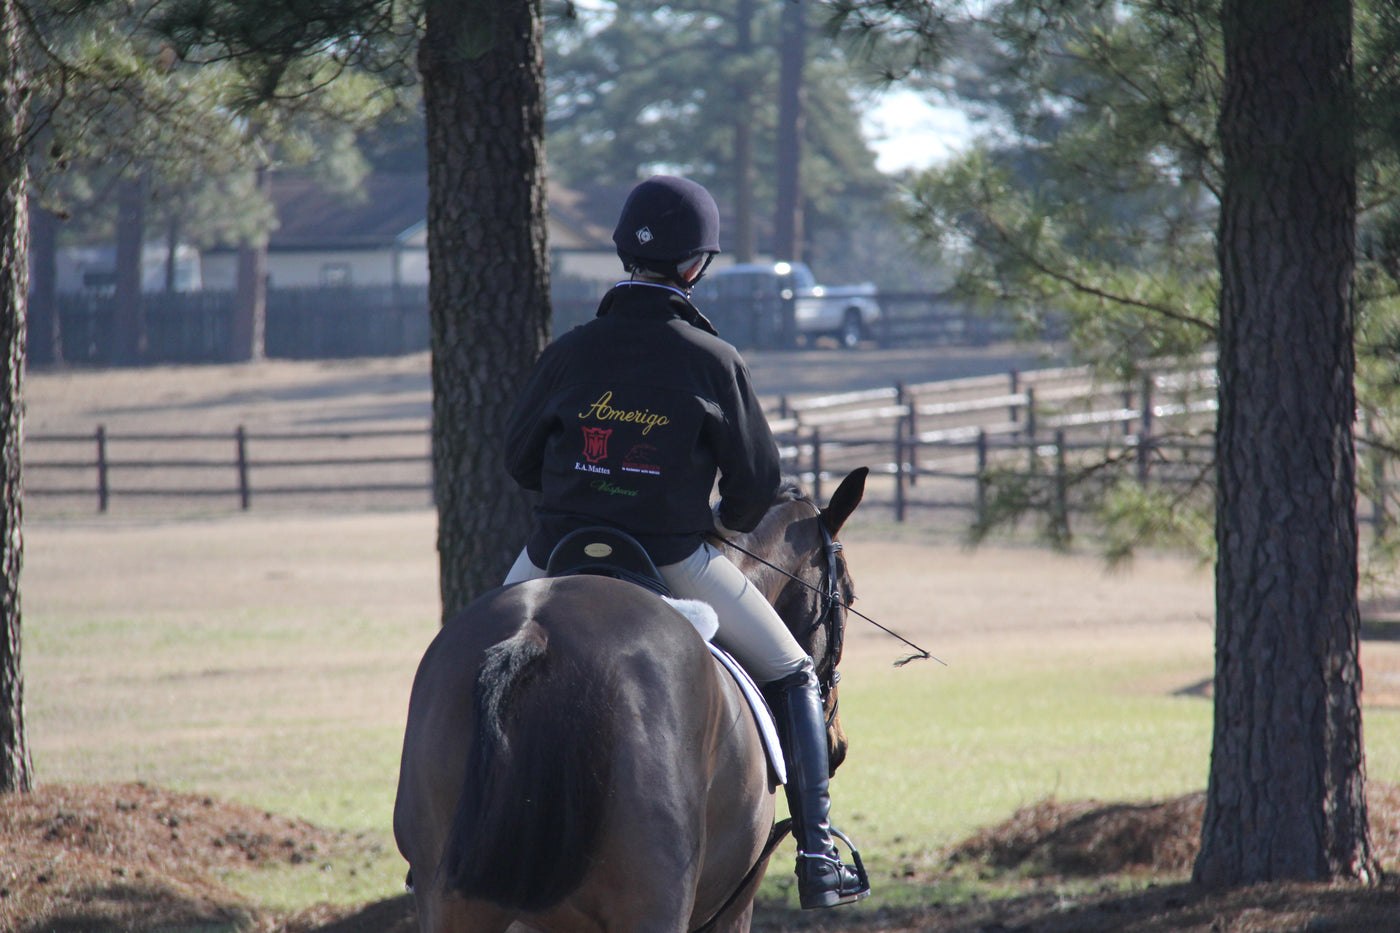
[763, 537]
[769, 526]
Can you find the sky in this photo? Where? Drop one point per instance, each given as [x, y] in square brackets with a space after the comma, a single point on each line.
[907, 131]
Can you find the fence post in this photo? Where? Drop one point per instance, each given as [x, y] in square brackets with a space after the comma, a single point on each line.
[1015, 378]
[1060, 519]
[899, 472]
[817, 464]
[911, 403]
[981, 493]
[102, 488]
[1029, 432]
[241, 442]
[1144, 440]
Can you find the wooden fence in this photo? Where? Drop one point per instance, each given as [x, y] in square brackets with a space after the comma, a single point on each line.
[937, 444]
[929, 446]
[220, 470]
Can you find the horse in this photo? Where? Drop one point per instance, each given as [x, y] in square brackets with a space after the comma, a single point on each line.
[575, 759]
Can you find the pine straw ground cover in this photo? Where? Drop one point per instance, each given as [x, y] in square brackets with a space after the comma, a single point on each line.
[132, 857]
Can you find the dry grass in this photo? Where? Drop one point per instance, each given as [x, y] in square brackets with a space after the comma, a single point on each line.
[137, 859]
[343, 606]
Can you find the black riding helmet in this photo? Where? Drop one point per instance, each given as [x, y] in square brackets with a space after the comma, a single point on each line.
[665, 222]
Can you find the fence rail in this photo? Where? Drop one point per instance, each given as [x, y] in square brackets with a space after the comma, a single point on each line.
[930, 446]
[238, 466]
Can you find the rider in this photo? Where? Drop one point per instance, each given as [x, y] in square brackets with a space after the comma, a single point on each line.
[625, 422]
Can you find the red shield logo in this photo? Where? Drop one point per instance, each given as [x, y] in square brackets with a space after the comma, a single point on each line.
[595, 444]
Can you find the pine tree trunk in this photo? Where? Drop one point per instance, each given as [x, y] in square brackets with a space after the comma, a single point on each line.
[482, 66]
[130, 337]
[248, 334]
[1287, 778]
[14, 282]
[744, 242]
[788, 233]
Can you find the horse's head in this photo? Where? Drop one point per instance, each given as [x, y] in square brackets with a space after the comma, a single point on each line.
[806, 579]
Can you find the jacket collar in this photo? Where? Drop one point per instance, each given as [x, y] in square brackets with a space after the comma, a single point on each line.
[648, 299]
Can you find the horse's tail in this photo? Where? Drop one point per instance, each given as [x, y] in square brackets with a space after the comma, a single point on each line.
[532, 802]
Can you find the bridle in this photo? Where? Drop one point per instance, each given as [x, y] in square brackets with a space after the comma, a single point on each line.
[831, 618]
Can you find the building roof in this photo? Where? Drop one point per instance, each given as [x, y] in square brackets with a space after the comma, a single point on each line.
[392, 209]
[386, 210]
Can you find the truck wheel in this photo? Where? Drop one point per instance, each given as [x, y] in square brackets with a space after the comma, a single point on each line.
[851, 329]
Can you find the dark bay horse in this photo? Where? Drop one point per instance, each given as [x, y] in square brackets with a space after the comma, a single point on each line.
[576, 760]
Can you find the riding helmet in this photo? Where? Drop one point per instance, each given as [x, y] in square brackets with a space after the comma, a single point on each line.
[665, 221]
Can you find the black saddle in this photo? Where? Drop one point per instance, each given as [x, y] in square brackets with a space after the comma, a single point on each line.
[606, 552]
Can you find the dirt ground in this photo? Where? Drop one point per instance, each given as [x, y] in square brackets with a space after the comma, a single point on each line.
[136, 857]
[131, 857]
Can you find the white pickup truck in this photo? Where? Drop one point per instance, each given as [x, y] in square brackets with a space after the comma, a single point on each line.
[760, 293]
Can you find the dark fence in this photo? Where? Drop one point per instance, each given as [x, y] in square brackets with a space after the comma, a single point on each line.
[935, 318]
[334, 323]
[190, 327]
[196, 327]
[339, 323]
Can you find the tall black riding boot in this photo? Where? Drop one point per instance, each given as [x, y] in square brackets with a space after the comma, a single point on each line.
[822, 879]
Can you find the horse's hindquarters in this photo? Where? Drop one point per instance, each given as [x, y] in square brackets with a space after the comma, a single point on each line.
[604, 756]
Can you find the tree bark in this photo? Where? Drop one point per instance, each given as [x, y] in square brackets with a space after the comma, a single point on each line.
[130, 337]
[15, 769]
[744, 242]
[248, 336]
[482, 65]
[788, 233]
[1286, 796]
[787, 225]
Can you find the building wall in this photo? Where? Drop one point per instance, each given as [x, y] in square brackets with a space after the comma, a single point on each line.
[319, 268]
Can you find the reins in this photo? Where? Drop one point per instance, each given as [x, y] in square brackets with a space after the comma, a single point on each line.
[829, 617]
[831, 595]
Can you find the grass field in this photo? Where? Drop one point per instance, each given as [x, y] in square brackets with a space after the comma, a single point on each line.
[267, 659]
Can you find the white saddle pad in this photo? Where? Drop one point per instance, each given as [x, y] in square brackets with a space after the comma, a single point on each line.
[702, 616]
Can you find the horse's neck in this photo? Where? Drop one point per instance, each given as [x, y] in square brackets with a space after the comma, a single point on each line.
[779, 562]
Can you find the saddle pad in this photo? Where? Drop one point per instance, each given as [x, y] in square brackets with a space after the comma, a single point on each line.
[702, 616]
[762, 715]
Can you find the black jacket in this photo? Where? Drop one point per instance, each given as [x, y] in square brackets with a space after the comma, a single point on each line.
[625, 421]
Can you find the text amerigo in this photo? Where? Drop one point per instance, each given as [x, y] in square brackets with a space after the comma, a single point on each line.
[602, 410]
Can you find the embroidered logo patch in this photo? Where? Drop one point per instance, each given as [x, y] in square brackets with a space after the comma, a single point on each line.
[595, 450]
[644, 235]
[641, 459]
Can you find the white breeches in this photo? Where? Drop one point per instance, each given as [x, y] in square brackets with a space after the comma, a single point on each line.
[749, 628]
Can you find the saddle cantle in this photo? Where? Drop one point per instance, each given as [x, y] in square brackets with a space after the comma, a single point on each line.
[605, 552]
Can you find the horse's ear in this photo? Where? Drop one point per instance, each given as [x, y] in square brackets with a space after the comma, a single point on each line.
[844, 500]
